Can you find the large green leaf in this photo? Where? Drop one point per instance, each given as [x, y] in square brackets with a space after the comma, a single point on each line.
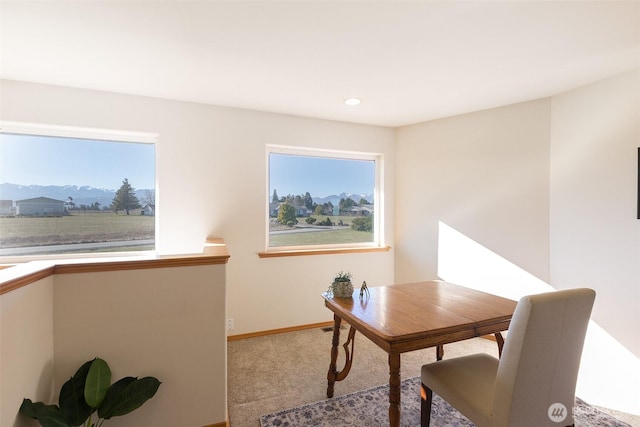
[71, 400]
[114, 395]
[98, 382]
[127, 395]
[47, 415]
[29, 408]
[53, 420]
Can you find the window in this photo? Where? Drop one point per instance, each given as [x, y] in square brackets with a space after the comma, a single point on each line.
[322, 199]
[67, 190]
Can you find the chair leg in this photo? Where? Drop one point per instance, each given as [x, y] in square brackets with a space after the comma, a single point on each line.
[426, 395]
[439, 352]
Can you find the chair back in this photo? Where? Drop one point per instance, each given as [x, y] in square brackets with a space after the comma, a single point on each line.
[541, 358]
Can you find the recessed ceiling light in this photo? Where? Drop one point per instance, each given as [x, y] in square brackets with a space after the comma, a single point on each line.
[352, 101]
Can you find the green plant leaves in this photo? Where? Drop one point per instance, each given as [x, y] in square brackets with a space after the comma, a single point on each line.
[47, 415]
[97, 384]
[127, 395]
[29, 408]
[89, 390]
[71, 400]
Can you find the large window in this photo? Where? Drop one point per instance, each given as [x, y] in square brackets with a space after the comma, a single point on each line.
[320, 199]
[65, 191]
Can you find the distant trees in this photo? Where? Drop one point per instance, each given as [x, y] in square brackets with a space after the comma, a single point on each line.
[326, 222]
[149, 198]
[346, 204]
[69, 204]
[125, 198]
[308, 201]
[327, 208]
[362, 224]
[92, 207]
[287, 214]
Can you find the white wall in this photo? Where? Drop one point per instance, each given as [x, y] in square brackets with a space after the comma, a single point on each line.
[26, 349]
[533, 197]
[211, 182]
[486, 175]
[595, 233]
[163, 322]
[546, 187]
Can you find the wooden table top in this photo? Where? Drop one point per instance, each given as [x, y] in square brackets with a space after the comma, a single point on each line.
[407, 317]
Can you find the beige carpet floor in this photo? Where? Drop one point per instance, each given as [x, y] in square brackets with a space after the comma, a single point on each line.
[275, 372]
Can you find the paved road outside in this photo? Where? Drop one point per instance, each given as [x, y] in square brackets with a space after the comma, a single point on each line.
[76, 247]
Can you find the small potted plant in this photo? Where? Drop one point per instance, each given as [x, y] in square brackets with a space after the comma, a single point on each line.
[342, 286]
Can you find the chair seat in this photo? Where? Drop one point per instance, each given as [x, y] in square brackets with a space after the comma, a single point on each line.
[538, 368]
[467, 383]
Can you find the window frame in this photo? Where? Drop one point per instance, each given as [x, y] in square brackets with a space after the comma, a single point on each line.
[108, 135]
[378, 203]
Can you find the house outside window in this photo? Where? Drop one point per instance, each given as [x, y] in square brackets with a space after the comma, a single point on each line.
[323, 199]
[73, 191]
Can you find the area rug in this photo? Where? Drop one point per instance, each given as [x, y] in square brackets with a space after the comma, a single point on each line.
[370, 408]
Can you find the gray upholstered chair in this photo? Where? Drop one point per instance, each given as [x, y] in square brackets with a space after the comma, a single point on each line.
[537, 371]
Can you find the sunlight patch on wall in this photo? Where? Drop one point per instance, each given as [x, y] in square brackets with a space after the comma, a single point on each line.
[465, 262]
[609, 373]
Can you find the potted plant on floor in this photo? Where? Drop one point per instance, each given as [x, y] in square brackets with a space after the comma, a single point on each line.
[89, 391]
[342, 286]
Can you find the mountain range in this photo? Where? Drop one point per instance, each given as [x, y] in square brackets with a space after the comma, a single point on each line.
[82, 195]
[87, 195]
[335, 199]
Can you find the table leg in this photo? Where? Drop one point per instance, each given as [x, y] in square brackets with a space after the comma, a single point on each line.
[394, 390]
[333, 370]
[334, 375]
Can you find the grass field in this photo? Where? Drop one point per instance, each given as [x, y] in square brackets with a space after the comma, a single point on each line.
[334, 235]
[89, 227]
[94, 227]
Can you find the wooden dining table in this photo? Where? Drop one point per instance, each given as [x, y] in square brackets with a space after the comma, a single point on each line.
[406, 317]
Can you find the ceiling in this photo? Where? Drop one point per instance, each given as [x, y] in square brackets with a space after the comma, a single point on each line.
[409, 61]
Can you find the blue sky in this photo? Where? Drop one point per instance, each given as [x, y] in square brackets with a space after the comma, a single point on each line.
[41, 160]
[320, 176]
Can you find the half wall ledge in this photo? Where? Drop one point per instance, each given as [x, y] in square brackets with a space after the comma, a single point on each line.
[332, 251]
[19, 275]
